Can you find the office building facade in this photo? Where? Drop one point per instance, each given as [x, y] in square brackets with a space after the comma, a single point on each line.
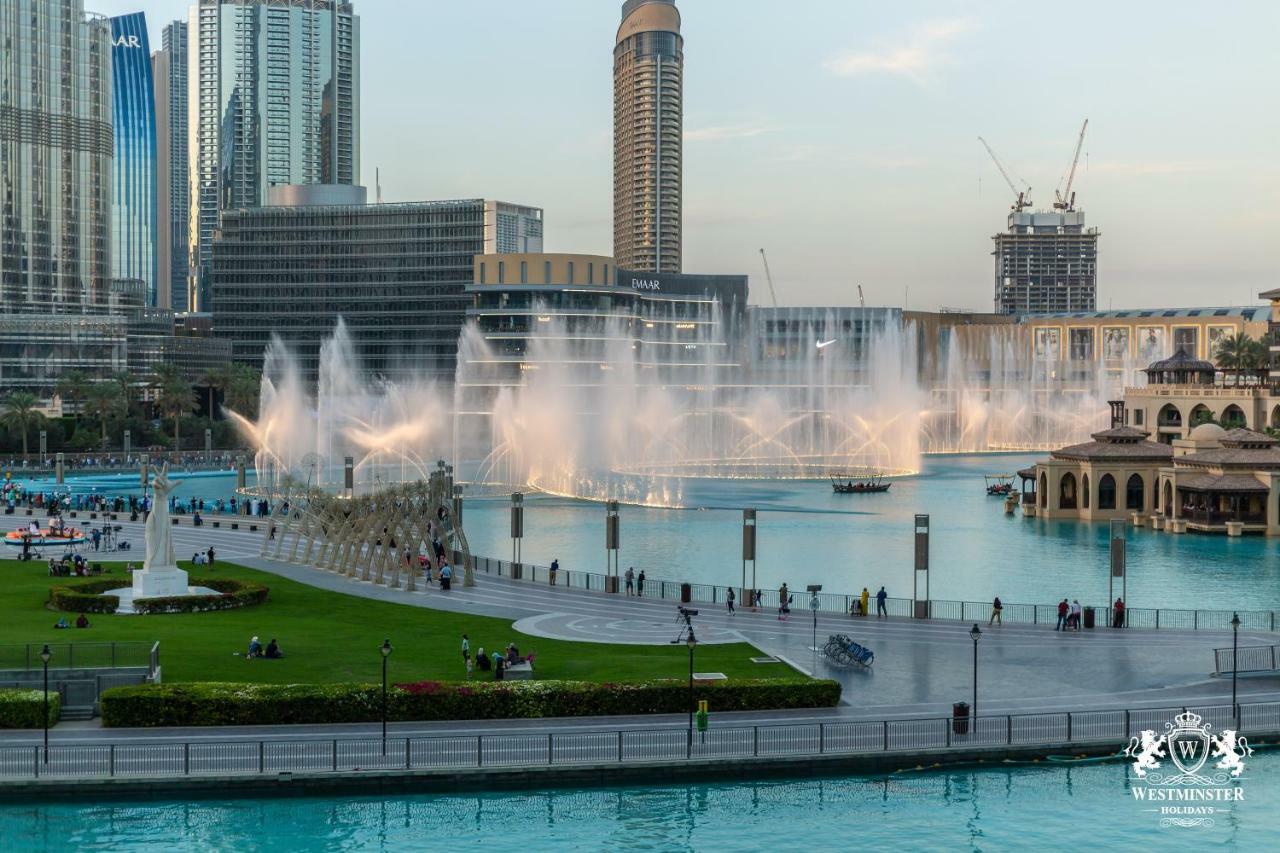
[134, 217]
[1046, 262]
[395, 273]
[173, 197]
[275, 102]
[648, 131]
[55, 158]
[511, 228]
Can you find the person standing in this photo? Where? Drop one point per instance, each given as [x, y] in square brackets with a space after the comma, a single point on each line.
[555, 569]
[866, 600]
[784, 598]
[640, 584]
[1075, 613]
[1062, 616]
[996, 608]
[1117, 610]
[211, 556]
[466, 652]
[881, 609]
[729, 601]
[631, 580]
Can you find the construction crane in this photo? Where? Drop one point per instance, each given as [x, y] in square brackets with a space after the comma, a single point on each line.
[1024, 196]
[769, 277]
[1066, 200]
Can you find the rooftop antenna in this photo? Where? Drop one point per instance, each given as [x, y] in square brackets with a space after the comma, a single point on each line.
[377, 180]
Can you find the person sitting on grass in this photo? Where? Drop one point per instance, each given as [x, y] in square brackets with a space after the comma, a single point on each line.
[82, 621]
[62, 623]
[255, 649]
[483, 661]
[273, 650]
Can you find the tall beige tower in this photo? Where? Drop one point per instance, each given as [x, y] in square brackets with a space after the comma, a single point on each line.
[648, 126]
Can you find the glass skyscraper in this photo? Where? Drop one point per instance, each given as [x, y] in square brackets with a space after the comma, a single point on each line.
[133, 203]
[55, 158]
[169, 70]
[275, 101]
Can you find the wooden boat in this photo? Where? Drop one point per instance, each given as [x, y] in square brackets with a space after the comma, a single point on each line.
[859, 485]
[999, 485]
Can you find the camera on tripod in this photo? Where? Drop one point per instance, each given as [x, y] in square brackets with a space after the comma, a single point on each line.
[686, 612]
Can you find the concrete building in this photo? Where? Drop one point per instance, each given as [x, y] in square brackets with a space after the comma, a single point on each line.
[395, 273]
[1045, 262]
[512, 229]
[134, 220]
[275, 101]
[648, 133]
[173, 177]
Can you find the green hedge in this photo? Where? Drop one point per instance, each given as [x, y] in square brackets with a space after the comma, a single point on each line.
[232, 594]
[21, 709]
[222, 704]
[87, 597]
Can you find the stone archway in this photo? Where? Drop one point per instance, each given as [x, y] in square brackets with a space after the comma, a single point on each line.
[1166, 504]
[1067, 492]
[1107, 492]
[1084, 490]
[1135, 493]
[1233, 417]
[1201, 414]
[1169, 416]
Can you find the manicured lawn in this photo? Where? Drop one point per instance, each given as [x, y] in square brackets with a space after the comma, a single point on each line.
[328, 637]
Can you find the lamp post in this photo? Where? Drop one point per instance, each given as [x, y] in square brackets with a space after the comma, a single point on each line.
[386, 653]
[45, 654]
[692, 643]
[1235, 648]
[975, 634]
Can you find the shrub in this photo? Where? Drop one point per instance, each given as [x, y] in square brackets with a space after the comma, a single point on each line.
[87, 597]
[232, 594]
[21, 708]
[220, 704]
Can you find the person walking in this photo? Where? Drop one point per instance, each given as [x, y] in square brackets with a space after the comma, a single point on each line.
[784, 598]
[640, 584]
[466, 652]
[210, 553]
[866, 600]
[1117, 610]
[996, 608]
[1062, 616]
[631, 580]
[881, 609]
[729, 601]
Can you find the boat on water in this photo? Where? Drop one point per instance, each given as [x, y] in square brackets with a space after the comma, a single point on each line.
[39, 537]
[860, 485]
[999, 485]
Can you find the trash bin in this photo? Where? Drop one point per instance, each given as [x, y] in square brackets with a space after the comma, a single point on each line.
[686, 593]
[960, 718]
[611, 583]
[1088, 617]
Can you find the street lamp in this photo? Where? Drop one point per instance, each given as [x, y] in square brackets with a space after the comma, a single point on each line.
[45, 654]
[975, 634]
[386, 653]
[1235, 648]
[692, 643]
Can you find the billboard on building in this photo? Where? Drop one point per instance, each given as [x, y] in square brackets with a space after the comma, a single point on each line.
[133, 201]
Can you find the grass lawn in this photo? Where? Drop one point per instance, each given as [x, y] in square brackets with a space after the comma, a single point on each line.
[332, 637]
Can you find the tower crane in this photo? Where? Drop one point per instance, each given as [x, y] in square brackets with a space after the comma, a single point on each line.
[1066, 200]
[1024, 196]
[769, 278]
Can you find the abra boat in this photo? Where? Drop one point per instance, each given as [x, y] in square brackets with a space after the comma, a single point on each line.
[859, 485]
[999, 485]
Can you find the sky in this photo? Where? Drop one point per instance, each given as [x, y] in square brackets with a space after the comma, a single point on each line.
[842, 135]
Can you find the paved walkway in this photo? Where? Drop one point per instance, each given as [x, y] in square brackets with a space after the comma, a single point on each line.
[921, 667]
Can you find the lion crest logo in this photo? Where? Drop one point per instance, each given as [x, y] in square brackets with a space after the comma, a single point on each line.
[1188, 743]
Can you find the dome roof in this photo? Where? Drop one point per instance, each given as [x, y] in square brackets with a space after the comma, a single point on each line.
[1207, 432]
[1181, 361]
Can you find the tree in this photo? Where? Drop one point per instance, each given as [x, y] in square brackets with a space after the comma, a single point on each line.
[174, 397]
[240, 394]
[21, 412]
[72, 386]
[1232, 353]
[1256, 357]
[104, 401]
[217, 379]
[124, 381]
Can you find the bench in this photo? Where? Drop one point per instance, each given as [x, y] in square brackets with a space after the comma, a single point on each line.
[519, 671]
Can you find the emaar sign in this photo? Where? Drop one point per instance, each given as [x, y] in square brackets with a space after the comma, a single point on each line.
[646, 284]
[128, 41]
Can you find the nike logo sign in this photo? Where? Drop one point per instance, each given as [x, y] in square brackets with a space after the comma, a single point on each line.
[825, 344]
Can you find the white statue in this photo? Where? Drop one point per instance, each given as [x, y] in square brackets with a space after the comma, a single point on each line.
[158, 531]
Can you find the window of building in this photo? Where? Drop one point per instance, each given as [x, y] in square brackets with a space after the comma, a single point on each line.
[524, 272]
[606, 273]
[591, 273]
[1107, 492]
[546, 272]
[570, 281]
[502, 272]
[482, 281]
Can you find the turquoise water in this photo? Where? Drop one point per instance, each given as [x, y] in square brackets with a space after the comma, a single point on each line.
[807, 534]
[1042, 807]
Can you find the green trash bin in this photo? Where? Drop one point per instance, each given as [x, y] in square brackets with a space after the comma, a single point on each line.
[1089, 617]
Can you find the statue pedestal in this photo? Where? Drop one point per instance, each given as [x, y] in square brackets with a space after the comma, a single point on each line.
[159, 583]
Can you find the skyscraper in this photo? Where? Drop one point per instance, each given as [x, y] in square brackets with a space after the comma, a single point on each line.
[1046, 261]
[169, 70]
[133, 199]
[648, 128]
[275, 101]
[55, 158]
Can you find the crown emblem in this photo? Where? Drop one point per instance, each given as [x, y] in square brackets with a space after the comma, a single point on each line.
[1187, 720]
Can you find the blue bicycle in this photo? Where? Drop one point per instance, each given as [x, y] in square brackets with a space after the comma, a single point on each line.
[842, 650]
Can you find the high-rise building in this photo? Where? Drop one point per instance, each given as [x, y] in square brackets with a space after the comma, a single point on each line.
[133, 200]
[1046, 261]
[395, 273]
[169, 71]
[511, 228]
[275, 100]
[648, 129]
[55, 158]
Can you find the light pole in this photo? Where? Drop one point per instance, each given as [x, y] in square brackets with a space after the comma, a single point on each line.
[975, 634]
[1235, 648]
[45, 654]
[692, 643]
[386, 653]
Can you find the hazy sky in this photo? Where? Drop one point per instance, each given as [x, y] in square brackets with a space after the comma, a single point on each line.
[841, 135]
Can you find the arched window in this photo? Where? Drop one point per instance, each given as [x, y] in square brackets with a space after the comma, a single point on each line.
[1044, 491]
[1200, 415]
[1107, 492]
[1169, 416]
[1084, 490]
[1233, 417]
[1135, 493]
[1067, 491]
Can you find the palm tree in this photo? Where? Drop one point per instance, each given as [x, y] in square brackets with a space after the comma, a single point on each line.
[21, 412]
[1231, 353]
[217, 379]
[124, 381]
[1257, 355]
[241, 391]
[72, 386]
[104, 400]
[174, 397]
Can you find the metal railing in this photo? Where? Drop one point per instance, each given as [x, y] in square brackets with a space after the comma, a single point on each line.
[619, 747]
[66, 656]
[835, 603]
[1247, 659]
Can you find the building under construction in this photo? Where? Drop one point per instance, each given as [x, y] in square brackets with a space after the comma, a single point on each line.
[1046, 262]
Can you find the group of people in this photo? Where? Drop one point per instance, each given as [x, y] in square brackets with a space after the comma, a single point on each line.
[256, 650]
[73, 565]
[635, 584]
[498, 663]
[860, 604]
[82, 621]
[1070, 615]
[204, 558]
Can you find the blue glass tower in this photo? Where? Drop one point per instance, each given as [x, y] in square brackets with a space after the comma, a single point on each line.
[133, 200]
